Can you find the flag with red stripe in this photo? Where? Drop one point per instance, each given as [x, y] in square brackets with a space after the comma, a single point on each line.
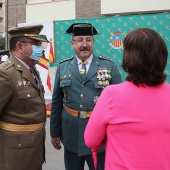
[44, 62]
[51, 59]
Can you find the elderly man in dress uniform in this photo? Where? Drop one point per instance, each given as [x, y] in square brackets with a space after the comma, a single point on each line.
[78, 84]
[22, 104]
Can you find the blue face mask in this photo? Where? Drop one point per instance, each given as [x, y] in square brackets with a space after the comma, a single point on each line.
[36, 52]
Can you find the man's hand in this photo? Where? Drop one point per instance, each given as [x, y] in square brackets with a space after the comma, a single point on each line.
[56, 143]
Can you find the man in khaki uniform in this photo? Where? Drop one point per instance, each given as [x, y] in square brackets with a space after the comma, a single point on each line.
[22, 104]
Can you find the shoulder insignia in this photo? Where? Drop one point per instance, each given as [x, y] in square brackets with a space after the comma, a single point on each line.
[6, 64]
[105, 58]
[67, 59]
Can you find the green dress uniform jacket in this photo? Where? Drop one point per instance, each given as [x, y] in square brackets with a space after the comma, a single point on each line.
[69, 89]
[21, 103]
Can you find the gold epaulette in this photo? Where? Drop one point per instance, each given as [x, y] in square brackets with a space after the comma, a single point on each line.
[6, 64]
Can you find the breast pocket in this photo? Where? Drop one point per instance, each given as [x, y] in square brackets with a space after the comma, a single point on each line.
[66, 88]
[27, 99]
[26, 94]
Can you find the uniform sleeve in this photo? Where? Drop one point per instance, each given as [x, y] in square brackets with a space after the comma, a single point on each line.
[56, 109]
[95, 131]
[6, 89]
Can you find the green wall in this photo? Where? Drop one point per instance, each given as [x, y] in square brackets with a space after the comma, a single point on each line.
[107, 27]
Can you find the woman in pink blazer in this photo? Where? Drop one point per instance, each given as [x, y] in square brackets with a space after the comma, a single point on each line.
[133, 118]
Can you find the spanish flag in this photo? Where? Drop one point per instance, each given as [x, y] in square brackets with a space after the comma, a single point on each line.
[44, 62]
[51, 56]
[48, 109]
[51, 59]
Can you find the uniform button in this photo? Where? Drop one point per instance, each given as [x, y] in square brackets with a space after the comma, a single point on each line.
[82, 85]
[19, 145]
[28, 95]
[81, 95]
[81, 106]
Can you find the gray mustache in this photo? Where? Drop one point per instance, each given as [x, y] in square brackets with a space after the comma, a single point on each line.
[84, 48]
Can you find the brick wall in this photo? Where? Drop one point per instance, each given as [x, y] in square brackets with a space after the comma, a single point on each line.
[88, 8]
[14, 14]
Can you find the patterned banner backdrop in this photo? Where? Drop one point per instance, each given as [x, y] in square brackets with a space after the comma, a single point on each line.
[112, 33]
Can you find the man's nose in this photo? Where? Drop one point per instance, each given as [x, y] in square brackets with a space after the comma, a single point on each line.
[84, 42]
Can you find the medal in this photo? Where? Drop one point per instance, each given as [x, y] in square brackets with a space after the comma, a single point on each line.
[19, 83]
[107, 83]
[100, 83]
[24, 82]
[82, 71]
[28, 83]
[83, 68]
[95, 99]
[104, 83]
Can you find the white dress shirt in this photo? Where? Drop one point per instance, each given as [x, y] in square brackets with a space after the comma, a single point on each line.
[89, 60]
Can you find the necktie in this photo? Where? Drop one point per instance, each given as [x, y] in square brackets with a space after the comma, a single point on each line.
[34, 75]
[83, 69]
[32, 71]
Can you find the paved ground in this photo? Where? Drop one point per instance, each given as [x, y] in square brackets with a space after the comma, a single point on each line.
[54, 158]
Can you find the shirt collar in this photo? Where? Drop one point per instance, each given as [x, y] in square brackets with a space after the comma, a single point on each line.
[89, 60]
[22, 62]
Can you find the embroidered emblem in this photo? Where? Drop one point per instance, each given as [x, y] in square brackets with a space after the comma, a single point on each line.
[25, 83]
[116, 38]
[19, 83]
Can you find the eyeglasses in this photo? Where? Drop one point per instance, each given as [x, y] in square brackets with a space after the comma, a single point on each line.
[37, 43]
[81, 41]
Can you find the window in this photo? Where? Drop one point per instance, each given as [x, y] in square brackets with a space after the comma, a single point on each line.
[1, 5]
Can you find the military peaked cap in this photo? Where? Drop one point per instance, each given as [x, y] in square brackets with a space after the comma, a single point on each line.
[81, 29]
[27, 31]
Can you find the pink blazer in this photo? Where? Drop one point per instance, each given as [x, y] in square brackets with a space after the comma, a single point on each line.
[134, 123]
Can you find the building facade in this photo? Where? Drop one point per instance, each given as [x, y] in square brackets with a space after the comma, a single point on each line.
[22, 11]
[25, 11]
[2, 18]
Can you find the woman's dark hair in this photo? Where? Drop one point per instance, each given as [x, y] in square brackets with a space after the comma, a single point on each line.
[145, 57]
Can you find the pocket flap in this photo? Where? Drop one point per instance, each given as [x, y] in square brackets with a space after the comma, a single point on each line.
[26, 94]
[65, 83]
[19, 142]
